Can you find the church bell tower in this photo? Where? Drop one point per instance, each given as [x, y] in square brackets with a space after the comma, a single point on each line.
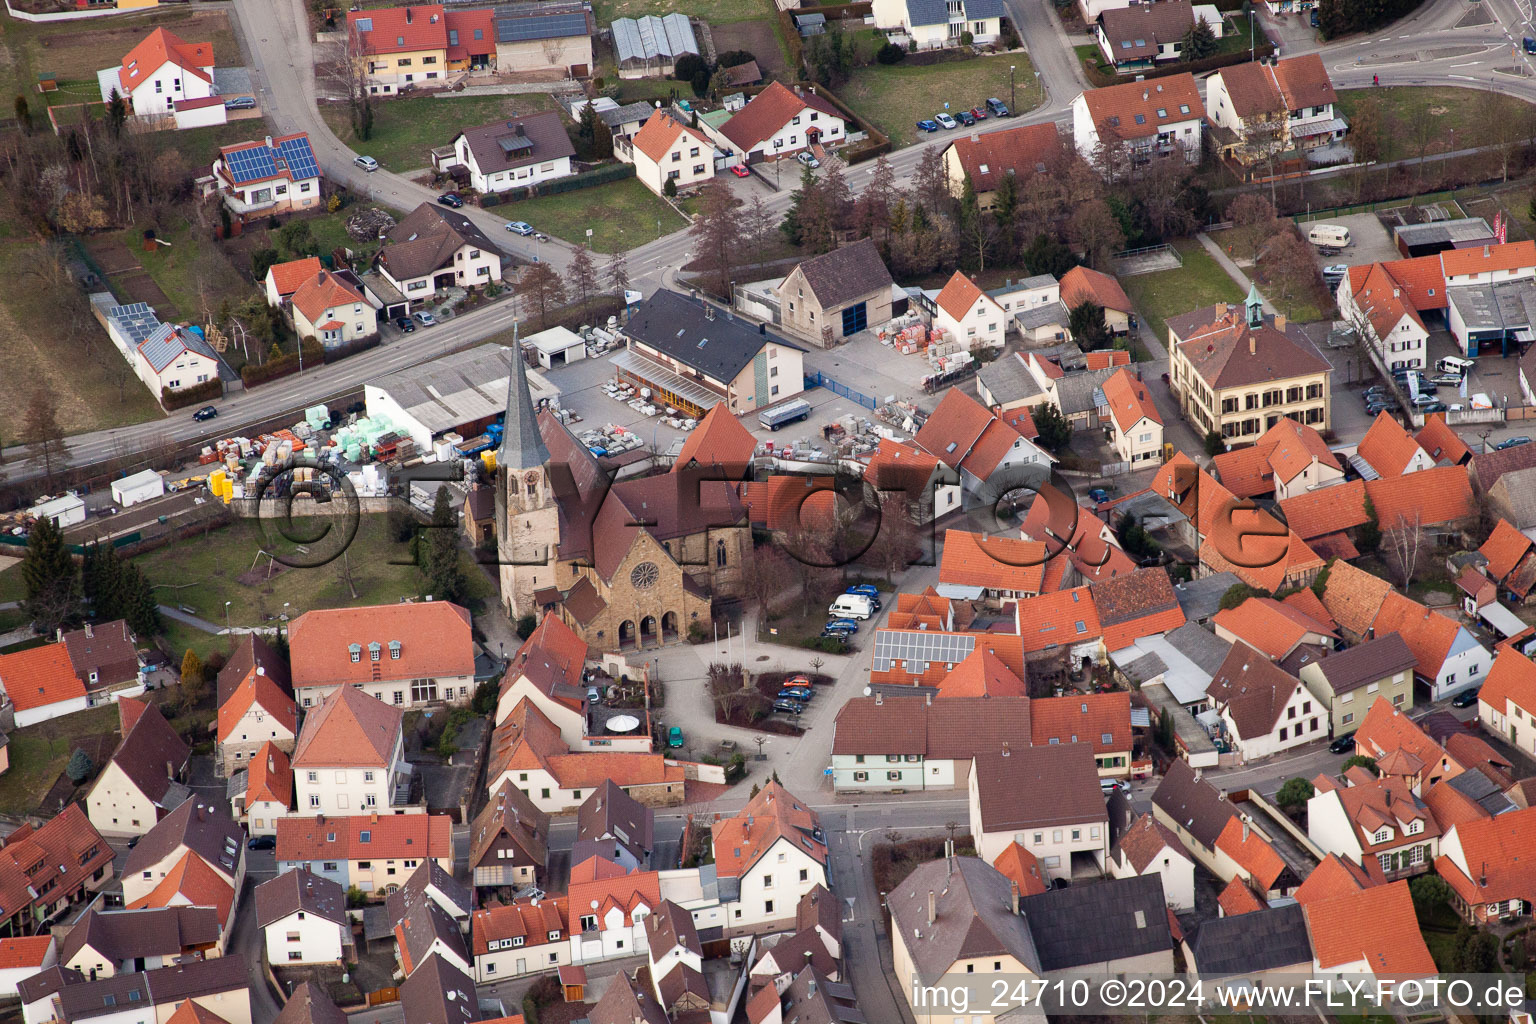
[527, 519]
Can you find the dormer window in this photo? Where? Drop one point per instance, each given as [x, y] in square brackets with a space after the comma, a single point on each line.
[394, 650]
[356, 651]
[1382, 835]
[374, 650]
[1415, 827]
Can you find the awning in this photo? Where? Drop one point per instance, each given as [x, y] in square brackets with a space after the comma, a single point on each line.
[659, 377]
[1311, 128]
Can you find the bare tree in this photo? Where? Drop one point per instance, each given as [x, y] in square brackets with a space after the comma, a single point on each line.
[1096, 232]
[1264, 138]
[343, 66]
[1420, 128]
[1253, 220]
[583, 274]
[772, 578]
[930, 185]
[617, 272]
[1501, 125]
[40, 424]
[717, 235]
[1290, 267]
[541, 289]
[1402, 547]
[757, 227]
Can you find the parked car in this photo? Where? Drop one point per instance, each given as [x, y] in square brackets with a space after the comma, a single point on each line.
[807, 158]
[207, 412]
[740, 170]
[1108, 786]
[868, 590]
[367, 163]
[789, 707]
[675, 737]
[966, 118]
[945, 121]
[927, 125]
[518, 227]
[262, 843]
[450, 199]
[1450, 380]
[979, 113]
[240, 103]
[1314, 21]
[406, 324]
[1512, 442]
[1342, 744]
[1374, 389]
[1466, 698]
[1425, 400]
[836, 633]
[848, 624]
[425, 319]
[1433, 407]
[1336, 270]
[800, 693]
[1098, 495]
[996, 106]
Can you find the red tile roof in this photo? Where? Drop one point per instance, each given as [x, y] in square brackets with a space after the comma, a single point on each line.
[349, 730]
[1144, 840]
[1353, 596]
[962, 434]
[1376, 925]
[960, 295]
[287, 277]
[1105, 358]
[269, 777]
[1386, 729]
[995, 563]
[1442, 443]
[1488, 258]
[1388, 447]
[1237, 899]
[1081, 284]
[66, 851]
[719, 439]
[1023, 152]
[1334, 876]
[262, 691]
[29, 951]
[591, 768]
[786, 502]
[1451, 807]
[772, 815]
[660, 133]
[390, 837]
[1511, 680]
[1505, 548]
[321, 292]
[434, 638]
[902, 468]
[1269, 626]
[1129, 401]
[533, 920]
[1429, 634]
[769, 111]
[1497, 853]
[1115, 109]
[982, 674]
[1310, 605]
[1252, 853]
[1060, 619]
[401, 29]
[141, 62]
[463, 24]
[1022, 868]
[1100, 719]
[1326, 510]
[190, 883]
[39, 676]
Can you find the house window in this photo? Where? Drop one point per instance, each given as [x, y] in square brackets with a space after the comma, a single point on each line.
[1382, 835]
[767, 906]
[1349, 718]
[329, 865]
[588, 922]
[893, 776]
[356, 650]
[861, 776]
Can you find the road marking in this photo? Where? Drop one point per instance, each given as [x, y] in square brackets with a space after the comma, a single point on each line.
[1469, 64]
[1464, 78]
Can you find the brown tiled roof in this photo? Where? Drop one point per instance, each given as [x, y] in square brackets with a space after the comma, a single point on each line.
[544, 130]
[1237, 898]
[627, 1003]
[349, 730]
[846, 273]
[123, 935]
[65, 851]
[610, 811]
[309, 1004]
[1353, 597]
[1032, 787]
[1144, 840]
[1115, 109]
[205, 828]
[1136, 31]
[1387, 446]
[1137, 604]
[1102, 720]
[512, 813]
[427, 239]
[1295, 82]
[1194, 804]
[251, 656]
[1023, 151]
[1489, 466]
[192, 882]
[300, 889]
[955, 728]
[437, 992]
[1082, 284]
[1252, 690]
[769, 111]
[434, 638]
[106, 649]
[671, 505]
[774, 814]
[1368, 662]
[150, 751]
[669, 926]
[1228, 353]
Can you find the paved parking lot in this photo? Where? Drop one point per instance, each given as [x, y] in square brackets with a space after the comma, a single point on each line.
[1369, 242]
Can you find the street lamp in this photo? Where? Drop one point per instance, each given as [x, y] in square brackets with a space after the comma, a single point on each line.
[1039, 89]
[226, 616]
[1013, 101]
[1250, 32]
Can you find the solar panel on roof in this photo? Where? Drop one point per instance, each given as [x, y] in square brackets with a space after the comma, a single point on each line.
[300, 157]
[544, 26]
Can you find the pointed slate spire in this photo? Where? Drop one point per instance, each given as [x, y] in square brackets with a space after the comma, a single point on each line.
[522, 446]
[1255, 304]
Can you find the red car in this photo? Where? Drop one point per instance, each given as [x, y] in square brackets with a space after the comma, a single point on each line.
[739, 170]
[979, 113]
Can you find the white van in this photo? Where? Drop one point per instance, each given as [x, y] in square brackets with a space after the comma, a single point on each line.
[1454, 364]
[851, 606]
[1332, 236]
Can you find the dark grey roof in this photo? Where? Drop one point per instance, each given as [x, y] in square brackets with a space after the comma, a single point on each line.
[1200, 599]
[846, 273]
[431, 875]
[1193, 804]
[1369, 662]
[205, 828]
[518, 142]
[437, 992]
[1481, 790]
[1098, 922]
[1036, 317]
[517, 23]
[427, 239]
[611, 812]
[629, 113]
[626, 1003]
[1199, 645]
[1444, 232]
[708, 339]
[522, 446]
[126, 934]
[198, 978]
[310, 1005]
[1266, 940]
[300, 889]
[105, 995]
[812, 999]
[973, 917]
[421, 922]
[1009, 380]
[1075, 391]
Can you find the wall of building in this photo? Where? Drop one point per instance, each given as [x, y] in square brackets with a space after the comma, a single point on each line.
[512, 963]
[313, 940]
[116, 807]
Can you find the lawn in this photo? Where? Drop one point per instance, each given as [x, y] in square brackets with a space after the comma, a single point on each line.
[1200, 282]
[622, 214]
[405, 131]
[74, 362]
[75, 50]
[201, 575]
[1456, 114]
[895, 97]
[39, 752]
[716, 12]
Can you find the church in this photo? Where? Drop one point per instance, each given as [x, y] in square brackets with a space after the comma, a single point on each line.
[629, 564]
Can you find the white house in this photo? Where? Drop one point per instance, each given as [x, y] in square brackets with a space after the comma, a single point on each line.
[262, 792]
[1264, 709]
[970, 315]
[374, 852]
[40, 683]
[1135, 121]
[404, 655]
[270, 176]
[1047, 799]
[665, 149]
[932, 25]
[283, 279]
[1148, 847]
[350, 758]
[515, 153]
[304, 919]
[672, 945]
[165, 357]
[103, 943]
[607, 910]
[1274, 106]
[433, 249]
[256, 710]
[520, 938]
[880, 745]
[1385, 301]
[1449, 658]
[771, 853]
[1134, 426]
[143, 781]
[1374, 818]
[1506, 705]
[23, 956]
[332, 311]
[160, 71]
[780, 121]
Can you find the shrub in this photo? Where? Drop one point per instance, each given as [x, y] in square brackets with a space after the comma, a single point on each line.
[281, 365]
[178, 398]
[890, 53]
[670, 188]
[80, 767]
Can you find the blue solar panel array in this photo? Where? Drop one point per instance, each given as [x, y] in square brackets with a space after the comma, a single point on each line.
[259, 162]
[136, 321]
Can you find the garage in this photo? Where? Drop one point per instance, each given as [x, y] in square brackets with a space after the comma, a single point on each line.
[855, 318]
[556, 347]
[131, 490]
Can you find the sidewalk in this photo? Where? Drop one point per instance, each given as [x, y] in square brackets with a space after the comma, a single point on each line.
[1232, 269]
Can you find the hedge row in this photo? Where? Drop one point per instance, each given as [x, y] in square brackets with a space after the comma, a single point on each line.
[586, 179]
[283, 365]
[178, 398]
[351, 348]
[1100, 78]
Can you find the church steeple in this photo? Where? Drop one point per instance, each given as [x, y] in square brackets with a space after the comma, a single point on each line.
[522, 446]
[1255, 306]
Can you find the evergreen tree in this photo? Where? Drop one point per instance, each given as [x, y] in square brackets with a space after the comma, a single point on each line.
[1055, 431]
[1369, 537]
[440, 551]
[79, 767]
[1200, 41]
[138, 605]
[53, 584]
[191, 668]
[1088, 326]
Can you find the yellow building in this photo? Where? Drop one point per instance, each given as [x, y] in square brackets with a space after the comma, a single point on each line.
[404, 47]
[1237, 371]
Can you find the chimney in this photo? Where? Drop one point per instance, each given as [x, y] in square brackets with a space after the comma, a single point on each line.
[170, 770]
[1487, 251]
[519, 129]
[933, 908]
[373, 819]
[975, 139]
[879, 699]
[269, 142]
[1279, 321]
[1005, 748]
[88, 633]
[749, 821]
[709, 311]
[1253, 344]
[1245, 828]
[58, 635]
[1013, 895]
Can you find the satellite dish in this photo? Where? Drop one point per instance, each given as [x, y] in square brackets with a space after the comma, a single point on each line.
[867, 691]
